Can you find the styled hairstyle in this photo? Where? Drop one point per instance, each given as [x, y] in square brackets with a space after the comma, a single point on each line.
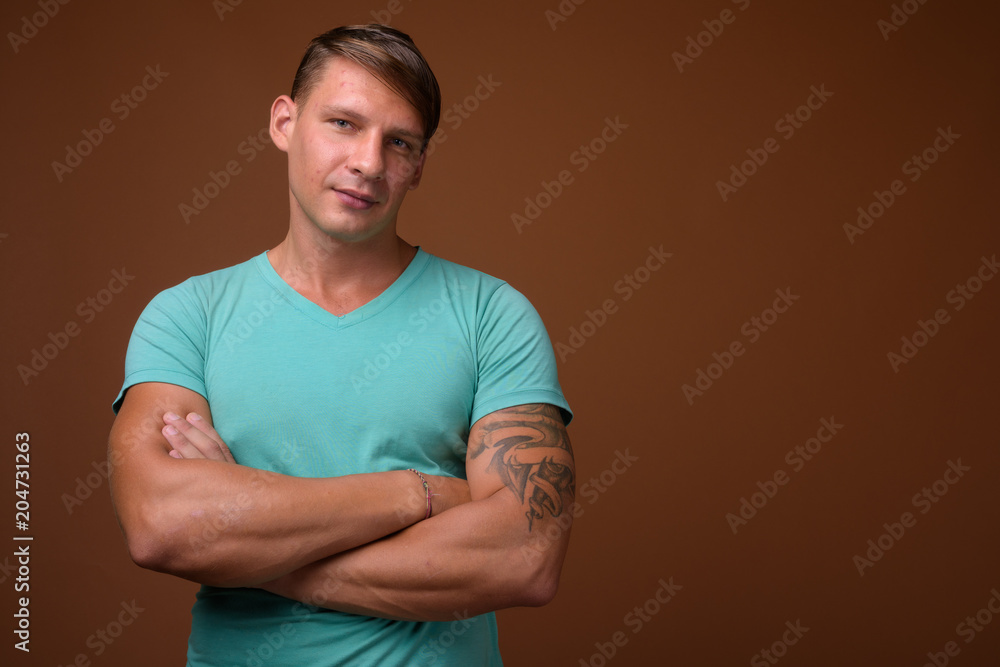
[387, 54]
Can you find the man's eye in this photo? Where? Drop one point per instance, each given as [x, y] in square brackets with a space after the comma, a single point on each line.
[341, 123]
[399, 143]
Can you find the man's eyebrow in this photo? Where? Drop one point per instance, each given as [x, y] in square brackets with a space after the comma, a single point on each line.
[332, 110]
[328, 110]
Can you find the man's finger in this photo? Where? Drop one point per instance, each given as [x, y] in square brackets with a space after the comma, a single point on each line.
[191, 442]
[202, 425]
[182, 447]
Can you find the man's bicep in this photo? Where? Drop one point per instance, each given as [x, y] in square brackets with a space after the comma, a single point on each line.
[138, 426]
[138, 453]
[136, 447]
[526, 450]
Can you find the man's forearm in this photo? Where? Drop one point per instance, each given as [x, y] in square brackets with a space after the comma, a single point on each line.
[479, 557]
[186, 508]
[503, 549]
[229, 525]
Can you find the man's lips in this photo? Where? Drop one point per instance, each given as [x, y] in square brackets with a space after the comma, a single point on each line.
[355, 198]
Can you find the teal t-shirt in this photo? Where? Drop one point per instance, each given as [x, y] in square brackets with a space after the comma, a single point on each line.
[394, 384]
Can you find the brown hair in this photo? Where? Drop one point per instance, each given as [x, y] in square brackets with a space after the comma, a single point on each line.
[387, 54]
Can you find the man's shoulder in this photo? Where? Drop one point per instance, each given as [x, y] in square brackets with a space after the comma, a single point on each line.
[481, 292]
[228, 274]
[462, 276]
[214, 283]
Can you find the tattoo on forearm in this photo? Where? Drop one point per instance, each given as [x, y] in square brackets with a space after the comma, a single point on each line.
[533, 458]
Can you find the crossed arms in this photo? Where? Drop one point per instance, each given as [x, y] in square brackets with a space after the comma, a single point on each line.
[357, 543]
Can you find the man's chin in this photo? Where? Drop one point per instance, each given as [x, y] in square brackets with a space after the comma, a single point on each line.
[355, 233]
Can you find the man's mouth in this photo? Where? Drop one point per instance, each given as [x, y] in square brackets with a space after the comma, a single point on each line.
[355, 198]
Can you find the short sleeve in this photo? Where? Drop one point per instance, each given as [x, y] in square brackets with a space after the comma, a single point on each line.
[168, 343]
[515, 360]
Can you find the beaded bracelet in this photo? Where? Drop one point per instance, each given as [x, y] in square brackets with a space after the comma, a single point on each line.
[427, 490]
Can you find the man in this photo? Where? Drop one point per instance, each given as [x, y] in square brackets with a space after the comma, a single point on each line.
[292, 432]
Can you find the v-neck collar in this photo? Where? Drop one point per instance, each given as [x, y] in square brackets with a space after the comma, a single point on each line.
[367, 311]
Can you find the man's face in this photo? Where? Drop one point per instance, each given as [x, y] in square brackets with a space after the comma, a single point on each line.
[353, 152]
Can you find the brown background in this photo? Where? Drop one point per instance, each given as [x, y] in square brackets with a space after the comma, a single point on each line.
[665, 516]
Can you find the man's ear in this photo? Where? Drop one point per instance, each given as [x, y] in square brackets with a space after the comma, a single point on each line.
[418, 171]
[282, 121]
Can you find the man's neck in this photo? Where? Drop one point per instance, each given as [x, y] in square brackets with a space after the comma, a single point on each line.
[341, 276]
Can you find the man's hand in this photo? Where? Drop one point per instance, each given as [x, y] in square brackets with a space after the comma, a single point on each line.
[194, 438]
